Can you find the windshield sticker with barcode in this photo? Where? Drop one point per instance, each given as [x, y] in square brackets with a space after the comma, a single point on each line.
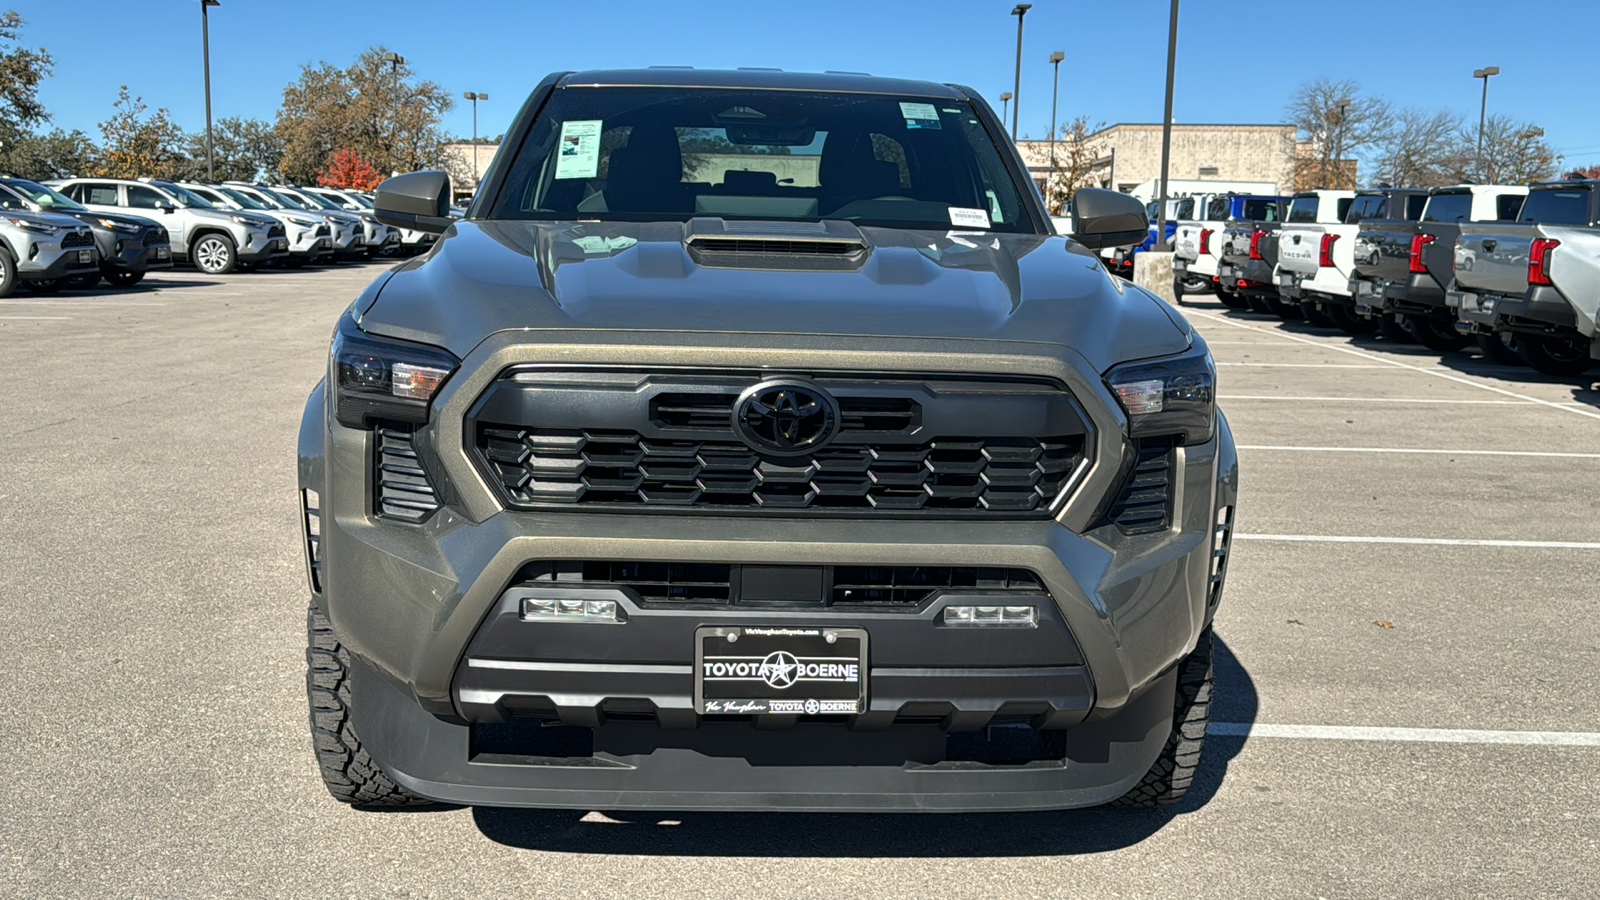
[968, 218]
[921, 115]
[578, 155]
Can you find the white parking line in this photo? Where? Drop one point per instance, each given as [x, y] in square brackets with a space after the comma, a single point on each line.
[1287, 447]
[52, 318]
[1422, 735]
[1588, 413]
[1375, 400]
[1262, 365]
[1433, 542]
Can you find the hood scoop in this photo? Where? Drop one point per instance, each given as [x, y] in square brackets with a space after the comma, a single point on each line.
[802, 246]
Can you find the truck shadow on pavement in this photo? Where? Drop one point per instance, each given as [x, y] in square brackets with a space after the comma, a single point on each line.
[898, 835]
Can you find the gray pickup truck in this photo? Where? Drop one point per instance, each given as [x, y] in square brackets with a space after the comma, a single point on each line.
[1250, 258]
[1513, 278]
[1404, 263]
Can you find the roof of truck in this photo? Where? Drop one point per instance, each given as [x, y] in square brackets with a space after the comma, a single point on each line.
[769, 79]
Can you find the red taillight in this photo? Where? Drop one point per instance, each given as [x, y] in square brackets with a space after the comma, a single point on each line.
[1539, 260]
[1205, 240]
[1325, 258]
[1418, 241]
[1255, 243]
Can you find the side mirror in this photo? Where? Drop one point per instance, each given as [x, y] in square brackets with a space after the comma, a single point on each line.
[1102, 218]
[416, 200]
[166, 207]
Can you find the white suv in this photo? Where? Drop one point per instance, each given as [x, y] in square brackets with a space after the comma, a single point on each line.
[309, 236]
[214, 241]
[347, 234]
[407, 239]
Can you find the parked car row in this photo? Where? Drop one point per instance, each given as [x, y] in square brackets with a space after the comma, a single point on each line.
[1512, 268]
[74, 232]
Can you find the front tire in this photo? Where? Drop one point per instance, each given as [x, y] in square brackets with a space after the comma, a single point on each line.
[8, 274]
[1558, 357]
[348, 771]
[1173, 771]
[214, 254]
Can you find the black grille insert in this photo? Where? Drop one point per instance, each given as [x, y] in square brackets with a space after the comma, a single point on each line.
[690, 410]
[401, 489]
[83, 238]
[672, 583]
[156, 236]
[1144, 504]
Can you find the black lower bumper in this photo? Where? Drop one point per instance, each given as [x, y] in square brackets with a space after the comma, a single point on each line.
[134, 257]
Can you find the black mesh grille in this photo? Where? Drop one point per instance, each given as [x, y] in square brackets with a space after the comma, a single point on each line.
[322, 231]
[77, 239]
[592, 468]
[275, 231]
[716, 583]
[156, 236]
[1144, 505]
[401, 489]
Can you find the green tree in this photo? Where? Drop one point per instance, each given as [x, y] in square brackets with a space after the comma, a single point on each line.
[377, 110]
[241, 149]
[137, 143]
[21, 70]
[58, 154]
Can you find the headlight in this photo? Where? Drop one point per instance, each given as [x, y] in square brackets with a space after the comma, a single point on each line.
[248, 222]
[303, 223]
[1176, 395]
[30, 225]
[382, 378]
[114, 225]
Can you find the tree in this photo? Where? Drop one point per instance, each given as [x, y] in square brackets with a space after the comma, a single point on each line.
[21, 70]
[1421, 150]
[59, 154]
[1513, 153]
[374, 109]
[1584, 172]
[136, 144]
[1334, 132]
[1072, 164]
[348, 170]
[241, 149]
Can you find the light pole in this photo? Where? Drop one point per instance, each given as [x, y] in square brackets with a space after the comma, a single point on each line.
[395, 61]
[1020, 10]
[205, 52]
[1483, 109]
[469, 95]
[1338, 142]
[1166, 127]
[1005, 104]
[1055, 60]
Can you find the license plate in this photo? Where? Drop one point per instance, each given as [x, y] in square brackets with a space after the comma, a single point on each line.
[282, 244]
[163, 252]
[780, 670]
[85, 257]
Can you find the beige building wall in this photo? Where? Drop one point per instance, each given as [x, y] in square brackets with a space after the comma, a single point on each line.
[1126, 154]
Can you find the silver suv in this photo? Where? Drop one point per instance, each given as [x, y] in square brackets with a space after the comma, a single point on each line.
[309, 236]
[347, 234]
[214, 241]
[410, 240]
[43, 247]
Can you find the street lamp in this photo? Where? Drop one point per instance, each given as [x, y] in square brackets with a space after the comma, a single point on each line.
[205, 52]
[1005, 104]
[1340, 106]
[1166, 128]
[469, 95]
[1055, 60]
[1483, 108]
[1020, 10]
[395, 61]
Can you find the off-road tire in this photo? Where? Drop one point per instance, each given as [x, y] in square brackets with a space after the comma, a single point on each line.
[1558, 357]
[349, 773]
[124, 279]
[1173, 771]
[1436, 334]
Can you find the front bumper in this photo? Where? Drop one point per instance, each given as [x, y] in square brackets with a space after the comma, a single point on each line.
[130, 254]
[259, 247]
[44, 259]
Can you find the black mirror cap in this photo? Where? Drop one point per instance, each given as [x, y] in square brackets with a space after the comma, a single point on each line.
[416, 200]
[1102, 218]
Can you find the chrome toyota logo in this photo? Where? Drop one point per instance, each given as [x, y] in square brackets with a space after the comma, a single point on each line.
[785, 418]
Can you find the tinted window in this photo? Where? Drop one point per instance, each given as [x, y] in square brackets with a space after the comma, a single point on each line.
[141, 197]
[1448, 208]
[1185, 209]
[1366, 206]
[1257, 210]
[1343, 209]
[9, 200]
[103, 194]
[1303, 209]
[1414, 205]
[1506, 206]
[653, 154]
[1558, 207]
[1217, 209]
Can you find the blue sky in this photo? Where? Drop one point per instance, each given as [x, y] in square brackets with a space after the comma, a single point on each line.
[1114, 68]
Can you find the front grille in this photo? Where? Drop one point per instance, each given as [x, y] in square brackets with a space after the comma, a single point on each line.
[322, 231]
[275, 231]
[156, 236]
[623, 469]
[669, 583]
[401, 489]
[83, 238]
[1144, 504]
[699, 411]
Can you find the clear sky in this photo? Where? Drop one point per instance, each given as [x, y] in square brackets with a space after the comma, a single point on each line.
[1238, 60]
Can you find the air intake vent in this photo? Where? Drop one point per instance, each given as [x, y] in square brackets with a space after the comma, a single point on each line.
[772, 247]
[401, 489]
[1144, 506]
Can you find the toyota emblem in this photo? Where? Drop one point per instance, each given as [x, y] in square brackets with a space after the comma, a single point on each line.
[786, 418]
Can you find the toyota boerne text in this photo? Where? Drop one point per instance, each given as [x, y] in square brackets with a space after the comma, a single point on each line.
[754, 442]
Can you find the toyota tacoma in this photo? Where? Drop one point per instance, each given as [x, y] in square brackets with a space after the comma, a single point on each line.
[755, 443]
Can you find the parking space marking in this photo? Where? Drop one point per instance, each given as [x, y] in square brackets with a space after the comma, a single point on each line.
[1287, 447]
[1262, 365]
[1375, 399]
[1414, 735]
[77, 303]
[1432, 542]
[1588, 413]
[51, 318]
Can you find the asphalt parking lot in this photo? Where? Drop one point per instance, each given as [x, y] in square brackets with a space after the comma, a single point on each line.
[1406, 693]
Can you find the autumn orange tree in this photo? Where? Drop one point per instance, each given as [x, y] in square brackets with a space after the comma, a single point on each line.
[346, 169]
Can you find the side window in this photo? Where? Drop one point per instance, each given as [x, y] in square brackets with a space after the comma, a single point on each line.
[1507, 206]
[1343, 209]
[103, 194]
[9, 200]
[141, 197]
[1217, 209]
[1414, 205]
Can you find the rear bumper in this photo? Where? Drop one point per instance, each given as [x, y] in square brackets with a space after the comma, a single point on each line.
[1542, 309]
[1255, 274]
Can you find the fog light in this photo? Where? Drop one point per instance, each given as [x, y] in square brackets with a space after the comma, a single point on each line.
[561, 609]
[993, 616]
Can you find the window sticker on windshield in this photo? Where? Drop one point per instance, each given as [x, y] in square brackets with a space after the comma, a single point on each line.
[968, 218]
[579, 152]
[921, 115]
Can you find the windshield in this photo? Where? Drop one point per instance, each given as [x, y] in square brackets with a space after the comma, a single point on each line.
[184, 196]
[243, 199]
[315, 200]
[45, 197]
[653, 154]
[284, 201]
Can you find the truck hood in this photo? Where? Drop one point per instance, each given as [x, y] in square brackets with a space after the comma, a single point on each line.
[488, 276]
